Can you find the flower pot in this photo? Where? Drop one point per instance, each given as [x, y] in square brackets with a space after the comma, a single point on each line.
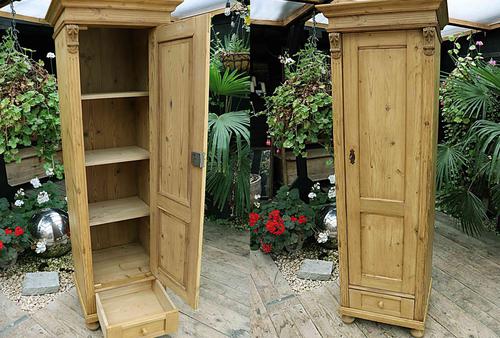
[255, 186]
[236, 60]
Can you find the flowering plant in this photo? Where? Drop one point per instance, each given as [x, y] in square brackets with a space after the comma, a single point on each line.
[43, 195]
[283, 223]
[14, 237]
[319, 198]
[300, 109]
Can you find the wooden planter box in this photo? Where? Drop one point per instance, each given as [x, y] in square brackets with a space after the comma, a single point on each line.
[318, 168]
[31, 166]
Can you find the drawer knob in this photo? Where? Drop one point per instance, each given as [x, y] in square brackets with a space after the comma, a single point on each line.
[144, 331]
[381, 304]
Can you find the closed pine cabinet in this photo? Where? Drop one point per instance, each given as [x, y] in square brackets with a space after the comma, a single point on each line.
[385, 73]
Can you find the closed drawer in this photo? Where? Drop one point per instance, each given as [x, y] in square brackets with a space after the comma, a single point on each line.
[142, 309]
[380, 303]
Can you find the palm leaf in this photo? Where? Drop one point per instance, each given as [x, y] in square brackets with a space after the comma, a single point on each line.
[449, 161]
[229, 83]
[221, 129]
[468, 207]
[487, 134]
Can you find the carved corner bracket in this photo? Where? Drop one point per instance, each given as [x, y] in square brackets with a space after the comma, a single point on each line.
[335, 45]
[429, 40]
[72, 32]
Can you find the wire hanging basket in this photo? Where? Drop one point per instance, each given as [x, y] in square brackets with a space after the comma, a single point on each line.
[236, 60]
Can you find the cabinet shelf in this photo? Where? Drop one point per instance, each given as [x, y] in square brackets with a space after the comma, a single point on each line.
[114, 95]
[115, 155]
[117, 210]
[120, 264]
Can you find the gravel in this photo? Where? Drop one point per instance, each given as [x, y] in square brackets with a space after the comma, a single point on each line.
[289, 264]
[11, 280]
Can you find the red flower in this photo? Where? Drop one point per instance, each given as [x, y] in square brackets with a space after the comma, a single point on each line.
[266, 248]
[293, 219]
[275, 227]
[8, 231]
[18, 231]
[275, 215]
[1, 245]
[302, 219]
[252, 219]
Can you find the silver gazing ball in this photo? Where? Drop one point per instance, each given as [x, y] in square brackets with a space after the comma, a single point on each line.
[51, 232]
[330, 223]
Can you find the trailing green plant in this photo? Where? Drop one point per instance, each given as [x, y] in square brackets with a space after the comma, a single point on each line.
[300, 110]
[468, 163]
[228, 168]
[29, 106]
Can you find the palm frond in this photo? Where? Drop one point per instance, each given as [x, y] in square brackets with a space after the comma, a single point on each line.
[487, 134]
[470, 95]
[221, 129]
[449, 161]
[468, 207]
[229, 83]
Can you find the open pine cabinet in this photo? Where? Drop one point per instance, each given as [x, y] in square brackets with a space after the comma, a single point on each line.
[133, 89]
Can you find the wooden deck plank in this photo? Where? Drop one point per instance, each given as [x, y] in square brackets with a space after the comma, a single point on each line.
[322, 307]
[260, 322]
[188, 327]
[467, 299]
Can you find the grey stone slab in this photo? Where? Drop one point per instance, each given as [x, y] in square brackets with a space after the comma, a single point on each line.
[314, 269]
[40, 283]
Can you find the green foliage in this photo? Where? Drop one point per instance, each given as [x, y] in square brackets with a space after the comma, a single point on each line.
[12, 240]
[300, 110]
[228, 168]
[287, 211]
[235, 44]
[468, 163]
[28, 106]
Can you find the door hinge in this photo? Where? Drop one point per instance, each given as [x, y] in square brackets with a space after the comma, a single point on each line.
[198, 159]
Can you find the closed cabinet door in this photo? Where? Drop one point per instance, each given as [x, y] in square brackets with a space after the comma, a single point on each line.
[382, 86]
[179, 68]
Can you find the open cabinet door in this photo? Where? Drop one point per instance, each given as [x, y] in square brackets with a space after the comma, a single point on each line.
[179, 76]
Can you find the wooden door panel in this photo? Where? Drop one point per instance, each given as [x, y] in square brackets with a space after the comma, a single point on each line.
[179, 59]
[381, 154]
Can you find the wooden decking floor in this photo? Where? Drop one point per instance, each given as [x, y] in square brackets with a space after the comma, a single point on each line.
[465, 298]
[224, 305]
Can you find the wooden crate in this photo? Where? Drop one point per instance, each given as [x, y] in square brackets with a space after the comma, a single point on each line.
[319, 165]
[385, 67]
[134, 108]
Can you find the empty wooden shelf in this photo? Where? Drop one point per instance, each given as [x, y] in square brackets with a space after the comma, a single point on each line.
[133, 91]
[115, 95]
[115, 155]
[385, 74]
[118, 264]
[117, 210]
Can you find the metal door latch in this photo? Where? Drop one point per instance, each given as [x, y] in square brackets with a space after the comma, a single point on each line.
[352, 156]
[198, 159]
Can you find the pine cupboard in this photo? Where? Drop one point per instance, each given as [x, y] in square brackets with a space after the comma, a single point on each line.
[385, 70]
[133, 89]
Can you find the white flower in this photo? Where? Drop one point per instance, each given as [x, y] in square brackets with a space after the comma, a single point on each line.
[322, 237]
[20, 193]
[43, 197]
[256, 204]
[332, 193]
[51, 55]
[332, 179]
[36, 183]
[19, 203]
[257, 197]
[66, 199]
[49, 172]
[317, 186]
[311, 195]
[41, 246]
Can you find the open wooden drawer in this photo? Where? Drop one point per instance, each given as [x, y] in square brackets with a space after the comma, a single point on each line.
[141, 309]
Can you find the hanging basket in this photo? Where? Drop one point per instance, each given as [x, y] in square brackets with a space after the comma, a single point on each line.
[239, 60]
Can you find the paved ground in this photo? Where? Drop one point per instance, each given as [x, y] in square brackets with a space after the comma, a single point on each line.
[224, 306]
[465, 298]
